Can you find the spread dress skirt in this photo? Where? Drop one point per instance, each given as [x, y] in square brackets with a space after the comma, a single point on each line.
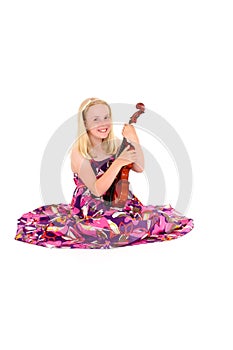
[87, 222]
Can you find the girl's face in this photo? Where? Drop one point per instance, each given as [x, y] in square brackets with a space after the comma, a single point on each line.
[98, 121]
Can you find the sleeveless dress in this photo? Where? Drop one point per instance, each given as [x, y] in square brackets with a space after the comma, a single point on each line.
[87, 222]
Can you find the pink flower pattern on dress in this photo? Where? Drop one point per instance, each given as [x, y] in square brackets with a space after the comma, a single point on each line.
[88, 223]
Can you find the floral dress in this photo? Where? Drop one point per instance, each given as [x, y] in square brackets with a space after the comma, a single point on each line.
[88, 222]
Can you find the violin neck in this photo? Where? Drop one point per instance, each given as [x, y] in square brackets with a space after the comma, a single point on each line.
[124, 143]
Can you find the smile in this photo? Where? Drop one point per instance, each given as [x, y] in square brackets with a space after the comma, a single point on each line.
[103, 130]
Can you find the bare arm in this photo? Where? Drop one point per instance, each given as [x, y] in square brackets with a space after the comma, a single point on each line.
[98, 187]
[138, 165]
[130, 133]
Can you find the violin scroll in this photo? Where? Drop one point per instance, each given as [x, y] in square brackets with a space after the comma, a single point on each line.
[135, 116]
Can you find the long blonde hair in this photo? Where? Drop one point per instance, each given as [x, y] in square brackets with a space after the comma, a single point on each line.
[83, 143]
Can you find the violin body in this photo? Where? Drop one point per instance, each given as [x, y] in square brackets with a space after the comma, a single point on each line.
[117, 194]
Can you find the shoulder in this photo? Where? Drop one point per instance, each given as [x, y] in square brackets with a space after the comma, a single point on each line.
[75, 154]
[76, 160]
[118, 142]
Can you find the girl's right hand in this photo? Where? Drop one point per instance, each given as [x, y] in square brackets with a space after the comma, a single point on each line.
[127, 156]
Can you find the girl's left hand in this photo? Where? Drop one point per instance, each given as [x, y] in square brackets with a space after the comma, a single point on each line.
[129, 133]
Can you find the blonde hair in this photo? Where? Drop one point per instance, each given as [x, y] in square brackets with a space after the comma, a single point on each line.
[83, 143]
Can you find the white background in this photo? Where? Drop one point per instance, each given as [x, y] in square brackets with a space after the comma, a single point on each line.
[176, 57]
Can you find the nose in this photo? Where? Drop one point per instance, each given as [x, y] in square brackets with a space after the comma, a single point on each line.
[103, 123]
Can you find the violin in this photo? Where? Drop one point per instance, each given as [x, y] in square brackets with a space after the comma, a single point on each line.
[117, 194]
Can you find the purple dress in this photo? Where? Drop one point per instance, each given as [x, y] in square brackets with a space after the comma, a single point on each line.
[87, 222]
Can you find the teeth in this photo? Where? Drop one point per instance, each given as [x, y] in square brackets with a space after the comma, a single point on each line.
[102, 130]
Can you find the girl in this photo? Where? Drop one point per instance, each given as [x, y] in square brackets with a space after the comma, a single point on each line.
[90, 222]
